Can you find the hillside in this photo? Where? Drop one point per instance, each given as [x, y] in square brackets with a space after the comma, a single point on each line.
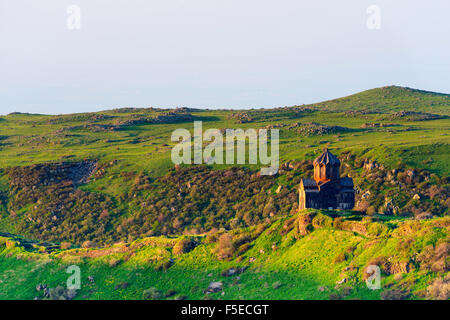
[71, 184]
[308, 256]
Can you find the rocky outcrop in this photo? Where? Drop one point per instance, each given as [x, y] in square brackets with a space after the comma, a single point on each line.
[304, 223]
[134, 120]
[76, 173]
[241, 117]
[214, 287]
[378, 125]
[413, 116]
[313, 128]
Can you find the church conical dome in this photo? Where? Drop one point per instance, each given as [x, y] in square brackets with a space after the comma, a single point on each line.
[327, 158]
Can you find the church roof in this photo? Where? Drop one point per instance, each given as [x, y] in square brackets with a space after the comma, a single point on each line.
[347, 182]
[327, 158]
[309, 183]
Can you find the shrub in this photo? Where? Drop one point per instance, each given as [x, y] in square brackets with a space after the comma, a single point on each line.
[377, 229]
[345, 291]
[288, 226]
[184, 245]
[363, 205]
[243, 248]
[434, 191]
[371, 211]
[225, 248]
[242, 239]
[88, 244]
[322, 221]
[164, 265]
[114, 262]
[394, 294]
[341, 257]
[439, 289]
[381, 262]
[435, 259]
[337, 223]
[334, 296]
[65, 245]
[170, 293]
[212, 235]
[259, 229]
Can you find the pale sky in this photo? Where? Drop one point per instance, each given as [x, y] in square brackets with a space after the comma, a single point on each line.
[214, 54]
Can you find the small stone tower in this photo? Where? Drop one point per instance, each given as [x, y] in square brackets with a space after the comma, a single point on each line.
[326, 167]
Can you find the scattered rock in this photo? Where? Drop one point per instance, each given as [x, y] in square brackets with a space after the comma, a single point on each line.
[41, 287]
[370, 165]
[366, 195]
[411, 173]
[214, 287]
[229, 272]
[122, 285]
[151, 294]
[279, 189]
[398, 277]
[276, 285]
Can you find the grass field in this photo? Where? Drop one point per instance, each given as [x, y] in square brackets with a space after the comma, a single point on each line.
[284, 267]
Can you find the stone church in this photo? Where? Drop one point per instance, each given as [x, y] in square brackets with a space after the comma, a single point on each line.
[328, 190]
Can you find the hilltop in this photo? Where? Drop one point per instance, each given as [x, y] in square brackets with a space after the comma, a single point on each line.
[390, 99]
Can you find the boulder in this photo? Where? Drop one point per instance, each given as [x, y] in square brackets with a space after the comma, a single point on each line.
[370, 165]
[214, 287]
[279, 189]
[229, 272]
[411, 173]
[40, 287]
[366, 195]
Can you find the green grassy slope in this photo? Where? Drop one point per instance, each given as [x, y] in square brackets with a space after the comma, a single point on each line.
[282, 262]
